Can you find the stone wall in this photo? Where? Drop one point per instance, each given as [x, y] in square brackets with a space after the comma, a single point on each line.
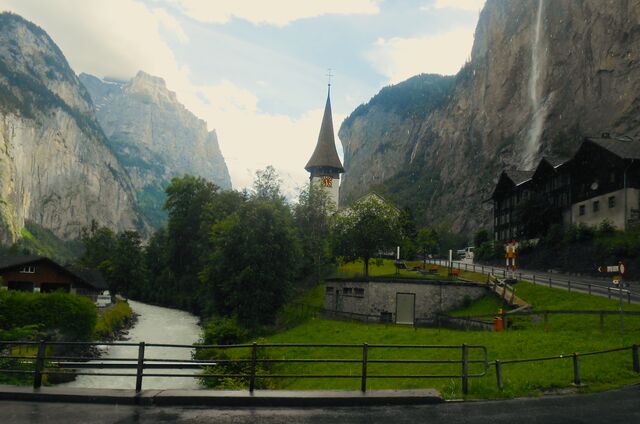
[372, 298]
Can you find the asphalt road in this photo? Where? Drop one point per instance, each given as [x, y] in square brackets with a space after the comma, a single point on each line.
[616, 406]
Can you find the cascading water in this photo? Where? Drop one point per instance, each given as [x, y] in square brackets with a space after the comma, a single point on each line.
[538, 107]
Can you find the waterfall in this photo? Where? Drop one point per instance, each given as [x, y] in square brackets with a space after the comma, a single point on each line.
[538, 107]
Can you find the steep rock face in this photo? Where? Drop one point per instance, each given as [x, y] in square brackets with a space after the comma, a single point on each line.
[543, 74]
[55, 167]
[155, 136]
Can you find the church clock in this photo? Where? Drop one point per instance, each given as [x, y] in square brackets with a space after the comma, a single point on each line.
[326, 181]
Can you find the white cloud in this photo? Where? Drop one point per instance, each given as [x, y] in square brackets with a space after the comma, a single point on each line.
[171, 23]
[468, 5]
[272, 12]
[401, 58]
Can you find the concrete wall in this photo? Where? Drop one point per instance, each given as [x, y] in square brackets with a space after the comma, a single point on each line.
[615, 215]
[375, 297]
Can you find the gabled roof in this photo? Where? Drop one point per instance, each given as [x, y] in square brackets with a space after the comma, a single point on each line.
[624, 147]
[554, 160]
[88, 277]
[518, 177]
[325, 155]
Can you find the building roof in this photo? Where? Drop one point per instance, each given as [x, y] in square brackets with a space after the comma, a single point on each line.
[518, 177]
[555, 161]
[88, 277]
[624, 147]
[325, 155]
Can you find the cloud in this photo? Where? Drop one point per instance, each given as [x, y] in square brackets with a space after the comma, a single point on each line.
[468, 5]
[401, 58]
[171, 23]
[272, 12]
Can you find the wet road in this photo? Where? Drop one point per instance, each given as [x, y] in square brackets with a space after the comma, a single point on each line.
[616, 406]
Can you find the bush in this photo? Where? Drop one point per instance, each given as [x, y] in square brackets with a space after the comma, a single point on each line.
[67, 316]
[224, 331]
[113, 319]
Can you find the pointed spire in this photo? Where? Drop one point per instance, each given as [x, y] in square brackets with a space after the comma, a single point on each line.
[325, 155]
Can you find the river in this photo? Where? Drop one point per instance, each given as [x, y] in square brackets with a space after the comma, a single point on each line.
[155, 325]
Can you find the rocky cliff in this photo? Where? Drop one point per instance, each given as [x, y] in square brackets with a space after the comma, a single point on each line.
[56, 168]
[155, 137]
[542, 74]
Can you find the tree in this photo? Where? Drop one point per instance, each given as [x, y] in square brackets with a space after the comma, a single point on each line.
[480, 237]
[427, 242]
[187, 231]
[266, 183]
[367, 228]
[128, 272]
[253, 262]
[311, 216]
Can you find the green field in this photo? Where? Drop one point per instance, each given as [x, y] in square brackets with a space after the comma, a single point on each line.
[530, 339]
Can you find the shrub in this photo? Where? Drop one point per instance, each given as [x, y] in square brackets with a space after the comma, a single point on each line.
[68, 316]
[224, 331]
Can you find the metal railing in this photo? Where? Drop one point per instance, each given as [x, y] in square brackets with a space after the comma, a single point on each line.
[44, 364]
[575, 357]
[590, 287]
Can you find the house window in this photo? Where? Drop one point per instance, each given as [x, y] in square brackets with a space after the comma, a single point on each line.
[359, 292]
[29, 269]
[329, 290]
[347, 290]
[596, 206]
[581, 210]
[612, 201]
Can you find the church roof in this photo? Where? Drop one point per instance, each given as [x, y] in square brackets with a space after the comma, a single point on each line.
[325, 155]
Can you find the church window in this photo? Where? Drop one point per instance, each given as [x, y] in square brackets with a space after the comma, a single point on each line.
[581, 210]
[596, 206]
[612, 202]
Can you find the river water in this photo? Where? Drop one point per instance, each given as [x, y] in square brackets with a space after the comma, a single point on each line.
[155, 325]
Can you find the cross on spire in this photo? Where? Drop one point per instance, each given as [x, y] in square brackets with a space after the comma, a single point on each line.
[329, 75]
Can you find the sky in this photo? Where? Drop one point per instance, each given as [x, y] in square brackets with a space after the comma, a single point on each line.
[256, 70]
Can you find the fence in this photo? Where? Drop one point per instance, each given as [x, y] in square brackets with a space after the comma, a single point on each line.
[590, 287]
[43, 364]
[575, 357]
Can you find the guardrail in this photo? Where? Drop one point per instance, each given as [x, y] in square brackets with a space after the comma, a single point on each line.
[590, 287]
[42, 363]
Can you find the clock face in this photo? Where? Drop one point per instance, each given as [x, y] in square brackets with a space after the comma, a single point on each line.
[326, 181]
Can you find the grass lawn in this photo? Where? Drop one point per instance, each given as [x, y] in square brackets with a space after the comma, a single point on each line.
[530, 339]
[386, 268]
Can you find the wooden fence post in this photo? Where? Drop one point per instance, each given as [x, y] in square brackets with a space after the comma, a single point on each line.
[365, 354]
[37, 375]
[140, 367]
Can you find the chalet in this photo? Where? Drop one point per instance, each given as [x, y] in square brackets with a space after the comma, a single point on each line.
[41, 274]
[601, 182]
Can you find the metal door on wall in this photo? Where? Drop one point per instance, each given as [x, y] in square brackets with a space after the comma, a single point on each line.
[405, 308]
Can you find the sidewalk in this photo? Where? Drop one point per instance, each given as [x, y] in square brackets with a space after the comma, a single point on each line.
[222, 397]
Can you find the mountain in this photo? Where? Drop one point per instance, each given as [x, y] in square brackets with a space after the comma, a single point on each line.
[155, 137]
[543, 74]
[56, 168]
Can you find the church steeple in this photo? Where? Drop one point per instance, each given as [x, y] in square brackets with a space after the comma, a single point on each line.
[324, 166]
[325, 154]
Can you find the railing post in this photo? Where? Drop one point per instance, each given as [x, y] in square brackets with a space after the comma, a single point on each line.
[634, 355]
[37, 375]
[576, 370]
[365, 353]
[589, 288]
[549, 282]
[499, 375]
[140, 368]
[628, 297]
[534, 279]
[465, 369]
[504, 320]
[254, 357]
[569, 285]
[609, 292]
